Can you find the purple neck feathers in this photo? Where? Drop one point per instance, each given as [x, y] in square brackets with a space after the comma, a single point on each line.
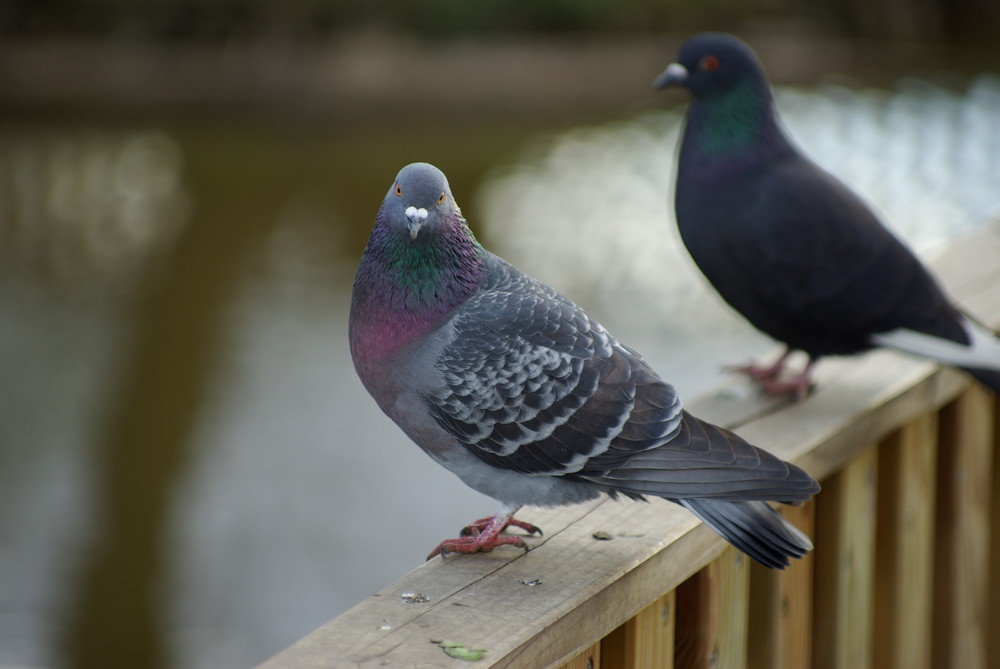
[405, 288]
[733, 131]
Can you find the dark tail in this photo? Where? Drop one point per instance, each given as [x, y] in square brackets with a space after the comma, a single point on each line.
[754, 528]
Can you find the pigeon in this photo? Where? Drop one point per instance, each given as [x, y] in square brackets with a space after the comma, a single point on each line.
[789, 246]
[529, 400]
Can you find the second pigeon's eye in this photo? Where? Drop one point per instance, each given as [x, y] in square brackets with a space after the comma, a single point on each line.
[441, 199]
[708, 64]
[399, 191]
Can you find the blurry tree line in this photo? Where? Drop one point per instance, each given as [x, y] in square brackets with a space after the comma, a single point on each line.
[215, 20]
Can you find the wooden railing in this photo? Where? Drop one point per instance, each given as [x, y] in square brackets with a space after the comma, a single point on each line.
[900, 577]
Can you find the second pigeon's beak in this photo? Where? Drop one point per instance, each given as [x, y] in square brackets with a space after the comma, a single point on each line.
[675, 75]
[415, 220]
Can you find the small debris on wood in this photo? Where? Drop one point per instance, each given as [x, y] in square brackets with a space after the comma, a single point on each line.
[531, 583]
[415, 598]
[601, 535]
[460, 651]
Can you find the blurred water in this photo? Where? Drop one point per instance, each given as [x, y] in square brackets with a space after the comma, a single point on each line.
[925, 157]
[85, 212]
[302, 498]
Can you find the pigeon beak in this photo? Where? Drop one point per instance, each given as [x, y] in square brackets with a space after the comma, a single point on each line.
[675, 75]
[415, 220]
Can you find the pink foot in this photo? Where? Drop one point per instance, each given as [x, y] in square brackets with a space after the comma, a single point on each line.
[770, 381]
[478, 526]
[484, 535]
[798, 387]
[761, 373]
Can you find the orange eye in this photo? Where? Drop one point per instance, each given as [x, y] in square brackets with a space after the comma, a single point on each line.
[708, 64]
[441, 199]
[399, 191]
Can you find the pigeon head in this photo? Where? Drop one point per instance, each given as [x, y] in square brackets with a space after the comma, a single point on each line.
[421, 262]
[732, 123]
[713, 64]
[419, 199]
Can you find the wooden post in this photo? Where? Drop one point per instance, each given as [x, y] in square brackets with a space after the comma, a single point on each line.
[712, 631]
[781, 606]
[647, 640]
[843, 600]
[904, 582]
[962, 569]
[588, 659]
[994, 638]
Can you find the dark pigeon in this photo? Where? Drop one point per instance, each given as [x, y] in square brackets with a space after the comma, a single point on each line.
[527, 399]
[788, 245]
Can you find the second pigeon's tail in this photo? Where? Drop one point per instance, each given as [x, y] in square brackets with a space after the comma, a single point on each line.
[754, 528]
[980, 356]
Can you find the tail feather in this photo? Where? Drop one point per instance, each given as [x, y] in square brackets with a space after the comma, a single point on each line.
[979, 355]
[754, 528]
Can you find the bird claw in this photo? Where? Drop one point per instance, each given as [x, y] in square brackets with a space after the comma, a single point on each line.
[484, 535]
[477, 526]
[797, 388]
[768, 378]
[475, 544]
[758, 373]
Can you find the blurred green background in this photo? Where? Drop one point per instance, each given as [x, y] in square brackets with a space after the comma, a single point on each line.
[191, 475]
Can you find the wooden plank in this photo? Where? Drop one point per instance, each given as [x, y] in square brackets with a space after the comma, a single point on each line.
[829, 429]
[994, 637]
[904, 582]
[645, 640]
[387, 614]
[589, 587]
[712, 630]
[969, 260]
[962, 568]
[781, 605]
[845, 567]
[588, 659]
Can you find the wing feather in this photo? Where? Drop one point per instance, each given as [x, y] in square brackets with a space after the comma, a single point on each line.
[531, 384]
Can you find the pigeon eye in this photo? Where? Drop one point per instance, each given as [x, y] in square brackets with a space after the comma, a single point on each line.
[441, 199]
[708, 64]
[399, 191]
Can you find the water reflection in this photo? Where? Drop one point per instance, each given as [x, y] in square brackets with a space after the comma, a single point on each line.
[86, 212]
[923, 155]
[82, 217]
[298, 497]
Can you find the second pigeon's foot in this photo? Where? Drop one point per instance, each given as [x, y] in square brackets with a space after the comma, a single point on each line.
[762, 373]
[484, 535]
[797, 388]
[768, 378]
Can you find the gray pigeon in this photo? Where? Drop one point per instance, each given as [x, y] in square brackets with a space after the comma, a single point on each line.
[789, 246]
[527, 399]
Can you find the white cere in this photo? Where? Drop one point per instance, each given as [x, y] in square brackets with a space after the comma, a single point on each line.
[413, 213]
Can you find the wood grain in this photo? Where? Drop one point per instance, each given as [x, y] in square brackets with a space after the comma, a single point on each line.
[905, 546]
[588, 659]
[845, 567]
[962, 565]
[589, 589]
[645, 640]
[712, 628]
[781, 604]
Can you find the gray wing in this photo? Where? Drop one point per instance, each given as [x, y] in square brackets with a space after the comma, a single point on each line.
[702, 460]
[534, 385]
